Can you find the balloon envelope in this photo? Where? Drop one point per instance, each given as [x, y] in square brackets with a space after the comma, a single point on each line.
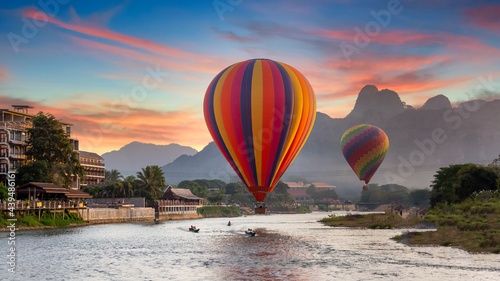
[260, 113]
[364, 147]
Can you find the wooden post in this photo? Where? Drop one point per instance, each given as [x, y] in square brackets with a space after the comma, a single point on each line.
[54, 211]
[64, 210]
[39, 212]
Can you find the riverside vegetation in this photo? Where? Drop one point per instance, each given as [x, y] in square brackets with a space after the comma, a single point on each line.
[465, 208]
[46, 220]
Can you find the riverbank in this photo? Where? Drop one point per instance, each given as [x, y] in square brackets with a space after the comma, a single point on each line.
[473, 225]
[373, 221]
[47, 221]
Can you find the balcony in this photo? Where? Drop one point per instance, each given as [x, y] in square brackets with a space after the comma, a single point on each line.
[18, 156]
[90, 163]
[16, 125]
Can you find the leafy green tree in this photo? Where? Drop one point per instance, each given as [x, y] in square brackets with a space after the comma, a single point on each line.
[455, 183]
[113, 176]
[48, 142]
[4, 191]
[279, 195]
[151, 183]
[419, 198]
[34, 171]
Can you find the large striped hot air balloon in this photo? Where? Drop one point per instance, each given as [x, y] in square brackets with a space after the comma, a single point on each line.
[364, 147]
[260, 113]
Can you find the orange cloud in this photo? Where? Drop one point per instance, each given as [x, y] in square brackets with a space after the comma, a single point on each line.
[100, 128]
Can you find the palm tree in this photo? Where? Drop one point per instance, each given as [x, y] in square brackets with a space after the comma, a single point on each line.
[151, 180]
[129, 184]
[112, 177]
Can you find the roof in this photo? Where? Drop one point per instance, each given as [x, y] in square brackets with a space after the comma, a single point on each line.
[45, 187]
[90, 155]
[182, 192]
[321, 184]
[294, 184]
[75, 194]
[296, 193]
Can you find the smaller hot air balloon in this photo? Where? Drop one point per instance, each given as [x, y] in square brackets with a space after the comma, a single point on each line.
[364, 147]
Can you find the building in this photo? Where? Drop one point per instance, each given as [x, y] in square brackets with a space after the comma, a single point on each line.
[181, 195]
[48, 191]
[296, 185]
[14, 125]
[321, 186]
[300, 196]
[94, 168]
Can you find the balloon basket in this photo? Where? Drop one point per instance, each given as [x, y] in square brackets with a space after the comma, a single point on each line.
[260, 210]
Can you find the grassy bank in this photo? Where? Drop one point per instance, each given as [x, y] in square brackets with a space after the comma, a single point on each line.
[373, 221]
[473, 225]
[46, 219]
[219, 211]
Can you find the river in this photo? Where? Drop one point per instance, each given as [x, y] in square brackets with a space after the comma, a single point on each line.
[286, 247]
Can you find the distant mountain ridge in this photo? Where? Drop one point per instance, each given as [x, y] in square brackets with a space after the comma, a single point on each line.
[129, 159]
[421, 141]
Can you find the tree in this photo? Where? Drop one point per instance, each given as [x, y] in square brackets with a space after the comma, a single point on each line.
[419, 198]
[111, 177]
[48, 142]
[4, 191]
[34, 171]
[456, 183]
[152, 182]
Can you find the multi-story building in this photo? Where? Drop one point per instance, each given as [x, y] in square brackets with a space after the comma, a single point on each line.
[14, 125]
[94, 168]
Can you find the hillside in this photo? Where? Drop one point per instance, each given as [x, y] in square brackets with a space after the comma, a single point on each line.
[129, 159]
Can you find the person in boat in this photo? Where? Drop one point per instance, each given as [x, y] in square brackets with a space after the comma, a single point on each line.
[229, 223]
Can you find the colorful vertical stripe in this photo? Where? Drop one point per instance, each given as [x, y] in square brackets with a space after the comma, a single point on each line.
[364, 147]
[260, 113]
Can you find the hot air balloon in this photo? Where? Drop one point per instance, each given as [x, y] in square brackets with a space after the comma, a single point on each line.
[364, 147]
[260, 113]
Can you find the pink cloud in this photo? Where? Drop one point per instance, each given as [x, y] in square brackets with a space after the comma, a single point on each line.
[95, 31]
[486, 16]
[150, 59]
[4, 74]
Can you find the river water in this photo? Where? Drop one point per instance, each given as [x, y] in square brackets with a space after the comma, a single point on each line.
[286, 247]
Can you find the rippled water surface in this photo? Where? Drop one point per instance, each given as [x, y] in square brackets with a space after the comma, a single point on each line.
[286, 247]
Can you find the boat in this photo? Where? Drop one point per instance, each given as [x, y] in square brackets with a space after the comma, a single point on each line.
[229, 224]
[194, 229]
[249, 232]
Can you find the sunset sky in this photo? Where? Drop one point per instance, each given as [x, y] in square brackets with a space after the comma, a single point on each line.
[124, 71]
